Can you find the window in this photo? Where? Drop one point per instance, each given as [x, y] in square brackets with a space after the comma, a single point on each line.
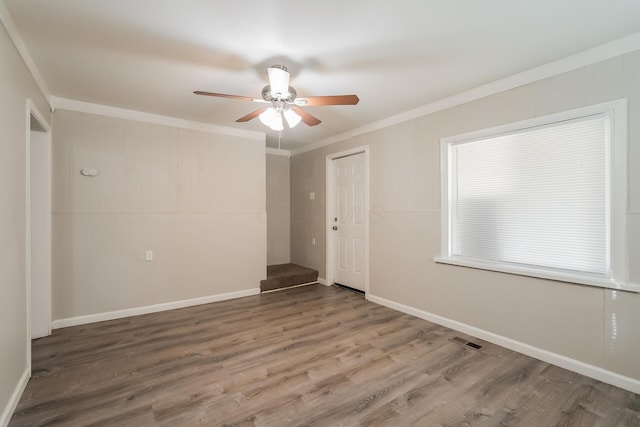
[544, 197]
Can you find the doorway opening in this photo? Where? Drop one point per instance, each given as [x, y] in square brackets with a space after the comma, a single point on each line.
[38, 225]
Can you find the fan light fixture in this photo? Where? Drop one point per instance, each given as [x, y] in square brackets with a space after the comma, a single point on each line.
[272, 116]
[279, 93]
[279, 81]
[292, 118]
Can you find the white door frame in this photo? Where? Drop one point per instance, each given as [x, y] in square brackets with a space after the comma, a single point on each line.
[32, 110]
[330, 208]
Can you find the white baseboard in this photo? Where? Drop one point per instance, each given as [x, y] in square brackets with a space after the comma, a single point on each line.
[600, 374]
[322, 281]
[118, 314]
[7, 413]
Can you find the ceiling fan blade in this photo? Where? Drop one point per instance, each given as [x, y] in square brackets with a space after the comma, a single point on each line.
[307, 118]
[224, 95]
[328, 100]
[252, 115]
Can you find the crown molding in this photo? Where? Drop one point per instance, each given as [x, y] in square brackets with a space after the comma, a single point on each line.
[277, 152]
[7, 22]
[140, 116]
[591, 56]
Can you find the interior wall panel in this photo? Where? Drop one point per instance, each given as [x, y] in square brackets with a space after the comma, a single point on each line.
[573, 320]
[196, 199]
[278, 210]
[16, 86]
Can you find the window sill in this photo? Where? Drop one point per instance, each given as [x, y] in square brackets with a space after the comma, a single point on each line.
[582, 279]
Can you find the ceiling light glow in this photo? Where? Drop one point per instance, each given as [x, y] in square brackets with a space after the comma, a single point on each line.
[267, 116]
[292, 118]
[272, 117]
[276, 123]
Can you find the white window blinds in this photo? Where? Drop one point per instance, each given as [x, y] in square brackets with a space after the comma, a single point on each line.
[535, 197]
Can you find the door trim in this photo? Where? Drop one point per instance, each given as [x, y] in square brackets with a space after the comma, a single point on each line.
[330, 205]
[32, 110]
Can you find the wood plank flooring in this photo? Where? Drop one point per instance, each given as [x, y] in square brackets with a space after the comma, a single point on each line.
[312, 356]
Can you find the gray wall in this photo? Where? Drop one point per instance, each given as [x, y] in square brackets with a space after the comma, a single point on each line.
[16, 85]
[278, 210]
[592, 325]
[196, 199]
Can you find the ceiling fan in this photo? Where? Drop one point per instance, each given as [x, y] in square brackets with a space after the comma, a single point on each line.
[284, 102]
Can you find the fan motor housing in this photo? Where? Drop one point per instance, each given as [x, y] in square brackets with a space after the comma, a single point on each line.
[268, 96]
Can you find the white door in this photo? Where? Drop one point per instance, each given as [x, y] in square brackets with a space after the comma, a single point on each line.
[349, 221]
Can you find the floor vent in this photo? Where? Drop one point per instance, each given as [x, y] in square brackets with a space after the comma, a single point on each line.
[466, 343]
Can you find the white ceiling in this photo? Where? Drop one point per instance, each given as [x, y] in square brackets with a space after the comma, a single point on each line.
[150, 55]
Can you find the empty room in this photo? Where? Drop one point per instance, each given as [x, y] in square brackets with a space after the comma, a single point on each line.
[335, 213]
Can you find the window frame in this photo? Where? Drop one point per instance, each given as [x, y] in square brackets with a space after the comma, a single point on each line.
[617, 196]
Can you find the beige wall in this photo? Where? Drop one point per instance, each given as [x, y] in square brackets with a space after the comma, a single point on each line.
[307, 216]
[196, 199]
[593, 325]
[16, 85]
[278, 210]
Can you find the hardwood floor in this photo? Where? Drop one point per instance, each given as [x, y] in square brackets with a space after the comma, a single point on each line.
[308, 356]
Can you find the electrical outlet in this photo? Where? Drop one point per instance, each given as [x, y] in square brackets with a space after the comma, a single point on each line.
[148, 255]
[312, 195]
[313, 241]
